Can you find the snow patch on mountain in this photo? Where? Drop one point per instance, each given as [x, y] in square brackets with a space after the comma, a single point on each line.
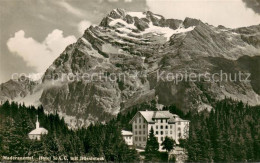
[157, 16]
[166, 31]
[126, 28]
[139, 15]
[120, 21]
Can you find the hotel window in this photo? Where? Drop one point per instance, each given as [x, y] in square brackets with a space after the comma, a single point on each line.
[156, 132]
[161, 132]
[136, 120]
[161, 138]
[140, 132]
[136, 138]
[143, 126]
[161, 120]
[166, 120]
[135, 126]
[144, 138]
[140, 120]
[135, 132]
[140, 126]
[179, 123]
[170, 132]
[166, 132]
[161, 126]
[156, 127]
[179, 129]
[144, 132]
[140, 138]
[166, 127]
[179, 134]
[170, 126]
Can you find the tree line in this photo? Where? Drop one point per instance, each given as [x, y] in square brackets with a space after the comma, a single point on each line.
[99, 140]
[230, 131]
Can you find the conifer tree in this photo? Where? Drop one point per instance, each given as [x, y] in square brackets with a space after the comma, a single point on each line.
[168, 144]
[152, 145]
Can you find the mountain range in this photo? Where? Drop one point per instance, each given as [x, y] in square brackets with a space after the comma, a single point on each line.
[115, 65]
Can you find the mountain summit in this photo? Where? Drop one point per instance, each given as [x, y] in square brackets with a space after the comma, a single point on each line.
[138, 46]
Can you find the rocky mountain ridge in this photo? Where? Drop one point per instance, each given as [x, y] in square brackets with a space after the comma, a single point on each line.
[138, 46]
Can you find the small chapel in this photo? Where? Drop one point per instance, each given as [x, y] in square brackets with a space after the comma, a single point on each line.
[36, 133]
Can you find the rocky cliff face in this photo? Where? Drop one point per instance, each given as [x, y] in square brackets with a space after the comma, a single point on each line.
[128, 50]
[18, 89]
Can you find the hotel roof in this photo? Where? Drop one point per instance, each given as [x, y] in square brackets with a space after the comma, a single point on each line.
[126, 133]
[150, 116]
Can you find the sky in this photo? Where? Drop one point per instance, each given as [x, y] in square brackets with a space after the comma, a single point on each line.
[33, 33]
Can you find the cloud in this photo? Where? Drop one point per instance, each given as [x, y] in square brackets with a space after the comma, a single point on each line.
[230, 13]
[253, 4]
[71, 9]
[39, 54]
[83, 25]
[113, 0]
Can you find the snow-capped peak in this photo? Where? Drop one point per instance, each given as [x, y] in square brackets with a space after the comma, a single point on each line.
[131, 24]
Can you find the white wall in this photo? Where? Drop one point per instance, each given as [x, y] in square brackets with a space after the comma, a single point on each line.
[140, 131]
[128, 139]
[33, 137]
[162, 128]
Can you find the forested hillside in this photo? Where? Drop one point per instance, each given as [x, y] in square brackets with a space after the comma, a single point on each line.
[97, 140]
[229, 132]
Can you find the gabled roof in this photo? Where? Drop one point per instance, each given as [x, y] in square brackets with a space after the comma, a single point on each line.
[177, 119]
[163, 115]
[150, 116]
[146, 114]
[126, 133]
[38, 131]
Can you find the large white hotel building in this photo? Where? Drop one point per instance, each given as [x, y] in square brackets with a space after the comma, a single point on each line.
[163, 123]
